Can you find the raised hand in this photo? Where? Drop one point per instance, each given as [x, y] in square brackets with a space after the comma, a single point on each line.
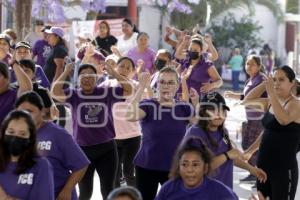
[144, 79]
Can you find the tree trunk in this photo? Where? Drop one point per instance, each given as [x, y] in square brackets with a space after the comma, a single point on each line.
[23, 18]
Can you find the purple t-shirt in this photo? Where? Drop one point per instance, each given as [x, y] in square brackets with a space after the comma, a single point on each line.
[40, 76]
[7, 102]
[63, 153]
[162, 130]
[210, 189]
[41, 49]
[35, 183]
[250, 84]
[7, 59]
[199, 74]
[147, 56]
[92, 114]
[225, 172]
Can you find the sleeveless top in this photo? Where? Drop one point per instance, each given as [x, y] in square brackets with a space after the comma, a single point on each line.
[279, 144]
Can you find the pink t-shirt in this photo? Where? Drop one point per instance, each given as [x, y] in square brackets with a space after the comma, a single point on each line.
[123, 129]
[147, 56]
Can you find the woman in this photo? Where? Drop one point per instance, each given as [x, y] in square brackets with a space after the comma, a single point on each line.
[128, 134]
[8, 94]
[163, 121]
[5, 55]
[54, 65]
[125, 193]
[236, 65]
[280, 139]
[105, 40]
[91, 108]
[23, 175]
[203, 76]
[143, 52]
[210, 128]
[129, 38]
[189, 175]
[57, 145]
[252, 128]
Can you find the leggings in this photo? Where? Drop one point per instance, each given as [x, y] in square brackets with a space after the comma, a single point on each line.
[147, 181]
[127, 149]
[104, 159]
[280, 185]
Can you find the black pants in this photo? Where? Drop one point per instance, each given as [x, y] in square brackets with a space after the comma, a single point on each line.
[147, 181]
[104, 159]
[127, 149]
[280, 185]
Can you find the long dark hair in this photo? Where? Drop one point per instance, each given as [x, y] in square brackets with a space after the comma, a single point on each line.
[203, 124]
[257, 60]
[190, 144]
[134, 28]
[26, 159]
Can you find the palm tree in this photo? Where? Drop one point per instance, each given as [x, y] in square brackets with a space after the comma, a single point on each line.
[200, 11]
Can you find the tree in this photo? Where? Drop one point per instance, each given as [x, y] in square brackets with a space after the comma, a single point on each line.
[46, 10]
[201, 11]
[231, 33]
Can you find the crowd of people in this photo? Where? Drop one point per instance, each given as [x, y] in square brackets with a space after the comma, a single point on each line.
[140, 118]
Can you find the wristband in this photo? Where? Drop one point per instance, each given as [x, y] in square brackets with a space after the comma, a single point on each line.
[242, 97]
[226, 155]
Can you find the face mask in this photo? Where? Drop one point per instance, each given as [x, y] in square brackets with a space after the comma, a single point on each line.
[194, 55]
[159, 64]
[16, 145]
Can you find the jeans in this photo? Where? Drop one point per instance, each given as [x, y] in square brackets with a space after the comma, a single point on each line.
[235, 80]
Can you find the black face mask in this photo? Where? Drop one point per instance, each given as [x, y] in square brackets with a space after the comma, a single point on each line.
[16, 145]
[159, 64]
[194, 55]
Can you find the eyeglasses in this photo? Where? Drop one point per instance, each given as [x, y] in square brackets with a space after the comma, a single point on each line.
[168, 83]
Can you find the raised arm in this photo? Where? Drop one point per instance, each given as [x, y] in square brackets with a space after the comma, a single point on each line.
[180, 53]
[214, 53]
[124, 82]
[284, 115]
[253, 98]
[134, 113]
[24, 81]
[57, 91]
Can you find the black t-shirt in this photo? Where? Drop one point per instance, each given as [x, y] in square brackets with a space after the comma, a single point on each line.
[104, 44]
[58, 51]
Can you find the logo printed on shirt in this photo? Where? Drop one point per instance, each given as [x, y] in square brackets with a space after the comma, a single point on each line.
[25, 179]
[44, 145]
[46, 51]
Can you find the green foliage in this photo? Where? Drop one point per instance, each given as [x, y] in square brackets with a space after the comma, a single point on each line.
[231, 33]
[292, 6]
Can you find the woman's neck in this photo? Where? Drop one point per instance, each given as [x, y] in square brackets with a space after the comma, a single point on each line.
[165, 102]
[141, 48]
[212, 128]
[14, 158]
[127, 36]
[103, 35]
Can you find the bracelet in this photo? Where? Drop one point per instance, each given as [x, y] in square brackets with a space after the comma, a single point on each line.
[226, 155]
[242, 97]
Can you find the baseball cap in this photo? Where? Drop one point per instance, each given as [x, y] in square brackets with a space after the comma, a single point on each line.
[55, 30]
[46, 28]
[23, 44]
[214, 98]
[6, 37]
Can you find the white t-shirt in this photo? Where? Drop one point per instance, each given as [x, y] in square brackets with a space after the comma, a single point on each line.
[124, 45]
